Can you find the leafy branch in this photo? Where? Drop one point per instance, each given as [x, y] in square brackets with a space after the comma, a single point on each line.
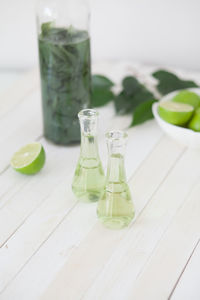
[135, 98]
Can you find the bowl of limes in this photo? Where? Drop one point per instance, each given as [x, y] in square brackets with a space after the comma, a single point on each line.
[178, 114]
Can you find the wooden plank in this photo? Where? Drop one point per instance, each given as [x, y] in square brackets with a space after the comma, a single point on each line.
[109, 278]
[8, 78]
[172, 253]
[134, 154]
[136, 158]
[43, 183]
[11, 181]
[36, 230]
[69, 235]
[17, 208]
[19, 91]
[188, 285]
[22, 125]
[25, 131]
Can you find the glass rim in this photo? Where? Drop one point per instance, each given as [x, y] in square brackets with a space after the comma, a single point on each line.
[88, 113]
[116, 135]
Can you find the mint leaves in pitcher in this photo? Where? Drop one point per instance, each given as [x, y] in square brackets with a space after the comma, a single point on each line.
[65, 80]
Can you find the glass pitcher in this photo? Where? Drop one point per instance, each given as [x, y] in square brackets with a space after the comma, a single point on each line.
[65, 66]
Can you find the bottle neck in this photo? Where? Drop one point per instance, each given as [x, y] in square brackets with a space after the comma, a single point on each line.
[88, 123]
[116, 170]
[89, 147]
[116, 143]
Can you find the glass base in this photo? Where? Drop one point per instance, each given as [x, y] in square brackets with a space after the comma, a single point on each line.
[88, 181]
[116, 222]
[87, 197]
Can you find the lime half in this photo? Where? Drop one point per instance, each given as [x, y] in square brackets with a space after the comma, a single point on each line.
[187, 97]
[194, 124]
[29, 159]
[175, 113]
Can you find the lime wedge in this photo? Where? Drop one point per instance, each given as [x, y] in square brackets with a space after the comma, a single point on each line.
[29, 159]
[187, 97]
[175, 113]
[194, 124]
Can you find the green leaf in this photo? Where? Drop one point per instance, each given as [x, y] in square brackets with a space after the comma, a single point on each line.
[101, 93]
[133, 94]
[101, 82]
[169, 82]
[123, 103]
[101, 97]
[130, 85]
[143, 112]
[45, 27]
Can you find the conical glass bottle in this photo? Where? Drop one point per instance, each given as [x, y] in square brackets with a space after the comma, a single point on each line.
[115, 208]
[89, 179]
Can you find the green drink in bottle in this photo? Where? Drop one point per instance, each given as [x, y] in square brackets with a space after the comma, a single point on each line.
[89, 179]
[115, 209]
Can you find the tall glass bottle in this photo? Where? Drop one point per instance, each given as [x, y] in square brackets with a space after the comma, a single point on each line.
[65, 71]
[89, 179]
[115, 209]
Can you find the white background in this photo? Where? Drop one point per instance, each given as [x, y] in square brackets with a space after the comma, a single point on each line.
[162, 32]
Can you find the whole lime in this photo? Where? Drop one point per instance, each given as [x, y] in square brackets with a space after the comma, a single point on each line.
[187, 97]
[194, 124]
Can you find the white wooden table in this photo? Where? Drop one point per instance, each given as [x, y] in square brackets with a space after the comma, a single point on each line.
[52, 247]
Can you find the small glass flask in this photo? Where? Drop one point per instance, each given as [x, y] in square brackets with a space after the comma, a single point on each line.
[115, 208]
[89, 179]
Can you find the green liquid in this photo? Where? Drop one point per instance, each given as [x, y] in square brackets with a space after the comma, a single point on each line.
[89, 180]
[115, 208]
[65, 81]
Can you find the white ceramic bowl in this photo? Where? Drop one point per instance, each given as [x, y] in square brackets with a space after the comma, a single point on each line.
[182, 135]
